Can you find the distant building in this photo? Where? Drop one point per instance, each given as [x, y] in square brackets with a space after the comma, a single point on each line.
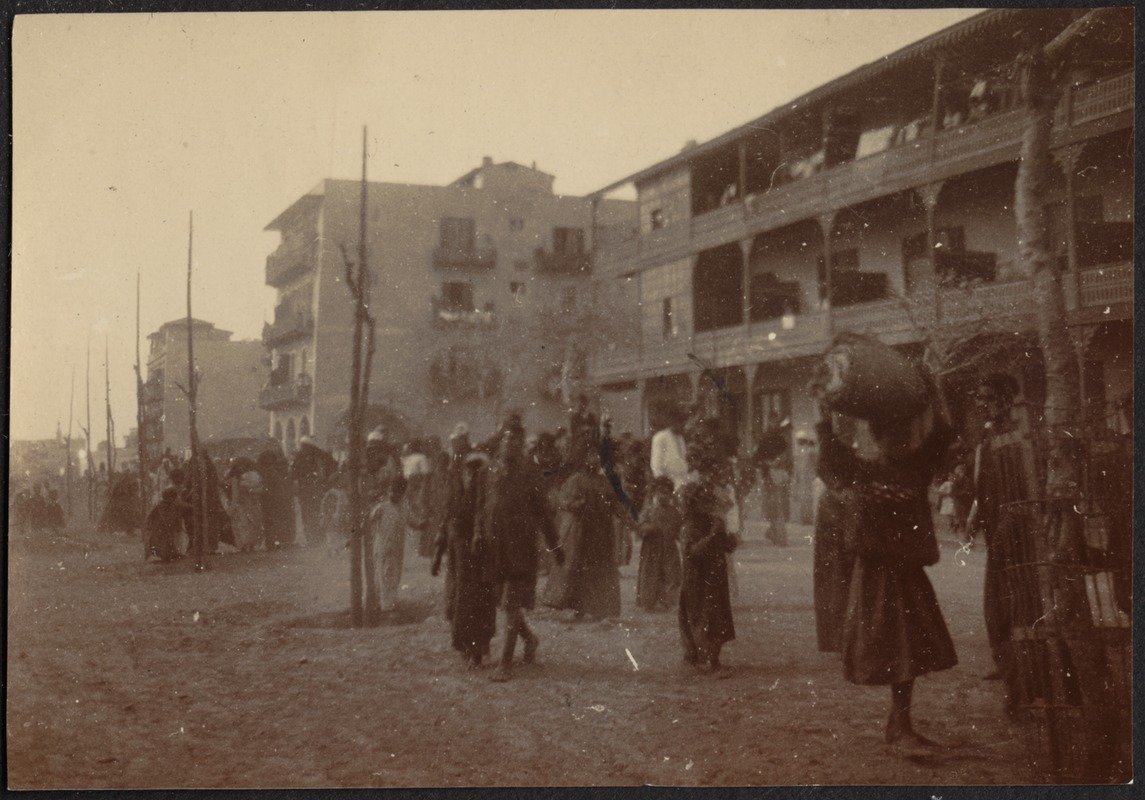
[33, 461]
[471, 282]
[230, 376]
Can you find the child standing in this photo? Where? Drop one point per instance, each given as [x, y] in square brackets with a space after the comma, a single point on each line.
[334, 516]
[389, 518]
[658, 579]
[705, 613]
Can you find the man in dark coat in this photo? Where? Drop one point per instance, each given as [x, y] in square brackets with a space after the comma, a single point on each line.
[512, 512]
[995, 398]
[311, 472]
[470, 605]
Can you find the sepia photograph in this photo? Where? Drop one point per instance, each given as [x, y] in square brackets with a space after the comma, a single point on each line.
[571, 398]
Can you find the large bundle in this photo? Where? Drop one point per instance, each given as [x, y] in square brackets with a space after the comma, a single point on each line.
[869, 380]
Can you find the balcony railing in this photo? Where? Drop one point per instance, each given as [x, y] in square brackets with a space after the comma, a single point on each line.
[478, 257]
[1108, 285]
[291, 392]
[561, 263]
[292, 258]
[288, 323]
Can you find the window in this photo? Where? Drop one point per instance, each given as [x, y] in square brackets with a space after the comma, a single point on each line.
[516, 225]
[657, 219]
[669, 319]
[458, 234]
[568, 241]
[517, 289]
[457, 296]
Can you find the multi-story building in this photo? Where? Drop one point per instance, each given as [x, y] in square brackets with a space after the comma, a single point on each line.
[880, 203]
[471, 282]
[230, 377]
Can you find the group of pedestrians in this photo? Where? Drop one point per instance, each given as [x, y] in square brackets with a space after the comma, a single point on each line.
[245, 503]
[37, 509]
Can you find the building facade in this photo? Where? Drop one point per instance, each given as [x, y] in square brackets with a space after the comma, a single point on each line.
[230, 377]
[474, 286]
[881, 203]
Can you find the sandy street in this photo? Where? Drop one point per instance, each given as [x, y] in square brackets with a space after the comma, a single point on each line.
[130, 674]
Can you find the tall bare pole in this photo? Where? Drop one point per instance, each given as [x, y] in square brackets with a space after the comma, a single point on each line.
[110, 423]
[198, 476]
[87, 437]
[361, 538]
[141, 443]
[68, 447]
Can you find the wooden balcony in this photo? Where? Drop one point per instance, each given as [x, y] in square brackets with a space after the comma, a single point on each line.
[478, 257]
[983, 308]
[290, 260]
[971, 146]
[294, 392]
[288, 324]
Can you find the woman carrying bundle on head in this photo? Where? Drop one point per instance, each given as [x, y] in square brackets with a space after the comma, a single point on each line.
[893, 629]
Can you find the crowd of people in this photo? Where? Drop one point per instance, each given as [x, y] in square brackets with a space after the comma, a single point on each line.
[499, 515]
[37, 509]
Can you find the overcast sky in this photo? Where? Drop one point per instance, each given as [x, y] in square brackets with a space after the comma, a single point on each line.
[124, 124]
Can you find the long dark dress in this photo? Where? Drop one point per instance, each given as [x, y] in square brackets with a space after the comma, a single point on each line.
[589, 580]
[470, 602]
[277, 500]
[705, 613]
[165, 523]
[658, 580]
[833, 563]
[833, 559]
[893, 630]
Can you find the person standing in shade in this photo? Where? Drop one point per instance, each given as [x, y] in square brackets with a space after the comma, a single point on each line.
[705, 613]
[995, 400]
[311, 471]
[388, 516]
[277, 501]
[470, 605]
[658, 580]
[589, 580]
[514, 510]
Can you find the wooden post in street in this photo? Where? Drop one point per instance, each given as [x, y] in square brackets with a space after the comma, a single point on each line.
[141, 439]
[68, 448]
[361, 537]
[197, 472]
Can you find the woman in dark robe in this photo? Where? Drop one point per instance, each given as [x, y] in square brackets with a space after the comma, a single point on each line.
[705, 613]
[589, 580]
[277, 499]
[470, 601]
[165, 525]
[893, 630]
